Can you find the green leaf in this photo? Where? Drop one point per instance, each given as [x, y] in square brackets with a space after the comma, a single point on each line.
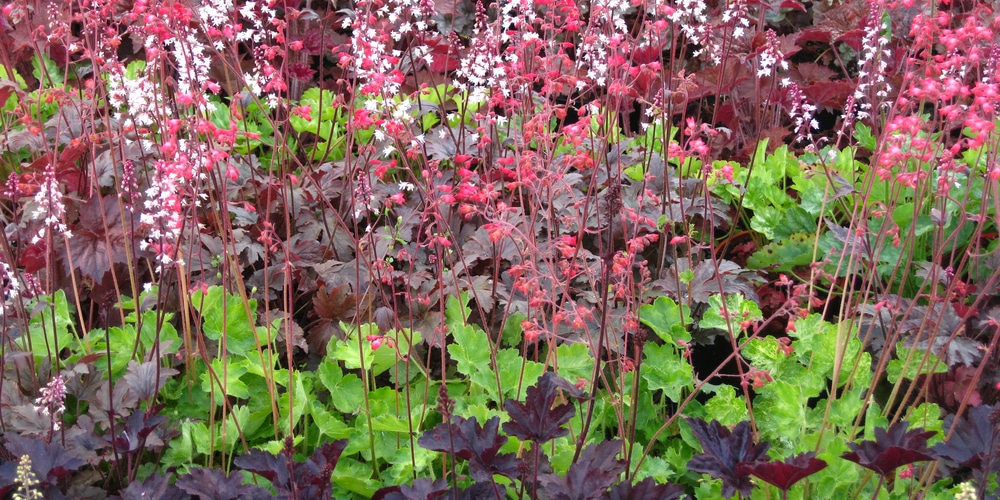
[52, 330]
[471, 352]
[784, 256]
[516, 372]
[667, 320]
[796, 221]
[927, 416]
[388, 412]
[726, 407]
[846, 408]
[782, 409]
[379, 360]
[738, 308]
[346, 391]
[46, 71]
[863, 134]
[765, 219]
[665, 369]
[910, 363]
[512, 330]
[575, 362]
[301, 400]
[227, 377]
[764, 353]
[456, 310]
[329, 424]
[225, 315]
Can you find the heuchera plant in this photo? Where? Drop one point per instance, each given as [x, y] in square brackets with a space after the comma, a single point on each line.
[626, 243]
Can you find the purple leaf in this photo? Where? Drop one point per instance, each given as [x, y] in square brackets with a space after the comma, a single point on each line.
[98, 237]
[708, 280]
[213, 484]
[317, 470]
[148, 378]
[138, 426]
[891, 449]
[155, 486]
[274, 468]
[309, 479]
[786, 473]
[591, 475]
[467, 440]
[972, 442]
[724, 452]
[647, 489]
[422, 488]
[50, 461]
[536, 419]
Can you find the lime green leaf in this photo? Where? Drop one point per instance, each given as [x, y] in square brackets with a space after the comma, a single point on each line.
[738, 308]
[726, 407]
[227, 378]
[911, 363]
[667, 320]
[665, 369]
[471, 352]
[515, 372]
[225, 315]
[346, 391]
[51, 331]
[575, 362]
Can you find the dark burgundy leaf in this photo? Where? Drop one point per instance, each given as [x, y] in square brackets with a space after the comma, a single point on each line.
[829, 94]
[309, 479]
[707, 277]
[301, 72]
[422, 489]
[96, 244]
[483, 489]
[319, 40]
[213, 484]
[272, 467]
[155, 486]
[596, 470]
[536, 419]
[317, 469]
[786, 473]
[335, 303]
[812, 72]
[145, 380]
[50, 461]
[138, 426]
[792, 5]
[724, 452]
[466, 439]
[972, 442]
[891, 449]
[647, 489]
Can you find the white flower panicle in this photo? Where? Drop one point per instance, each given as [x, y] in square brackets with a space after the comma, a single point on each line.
[771, 57]
[801, 113]
[872, 64]
[49, 206]
[482, 68]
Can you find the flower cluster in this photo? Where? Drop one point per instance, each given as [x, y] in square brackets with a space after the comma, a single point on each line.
[173, 188]
[873, 62]
[771, 57]
[27, 490]
[482, 68]
[801, 112]
[49, 206]
[10, 287]
[51, 402]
